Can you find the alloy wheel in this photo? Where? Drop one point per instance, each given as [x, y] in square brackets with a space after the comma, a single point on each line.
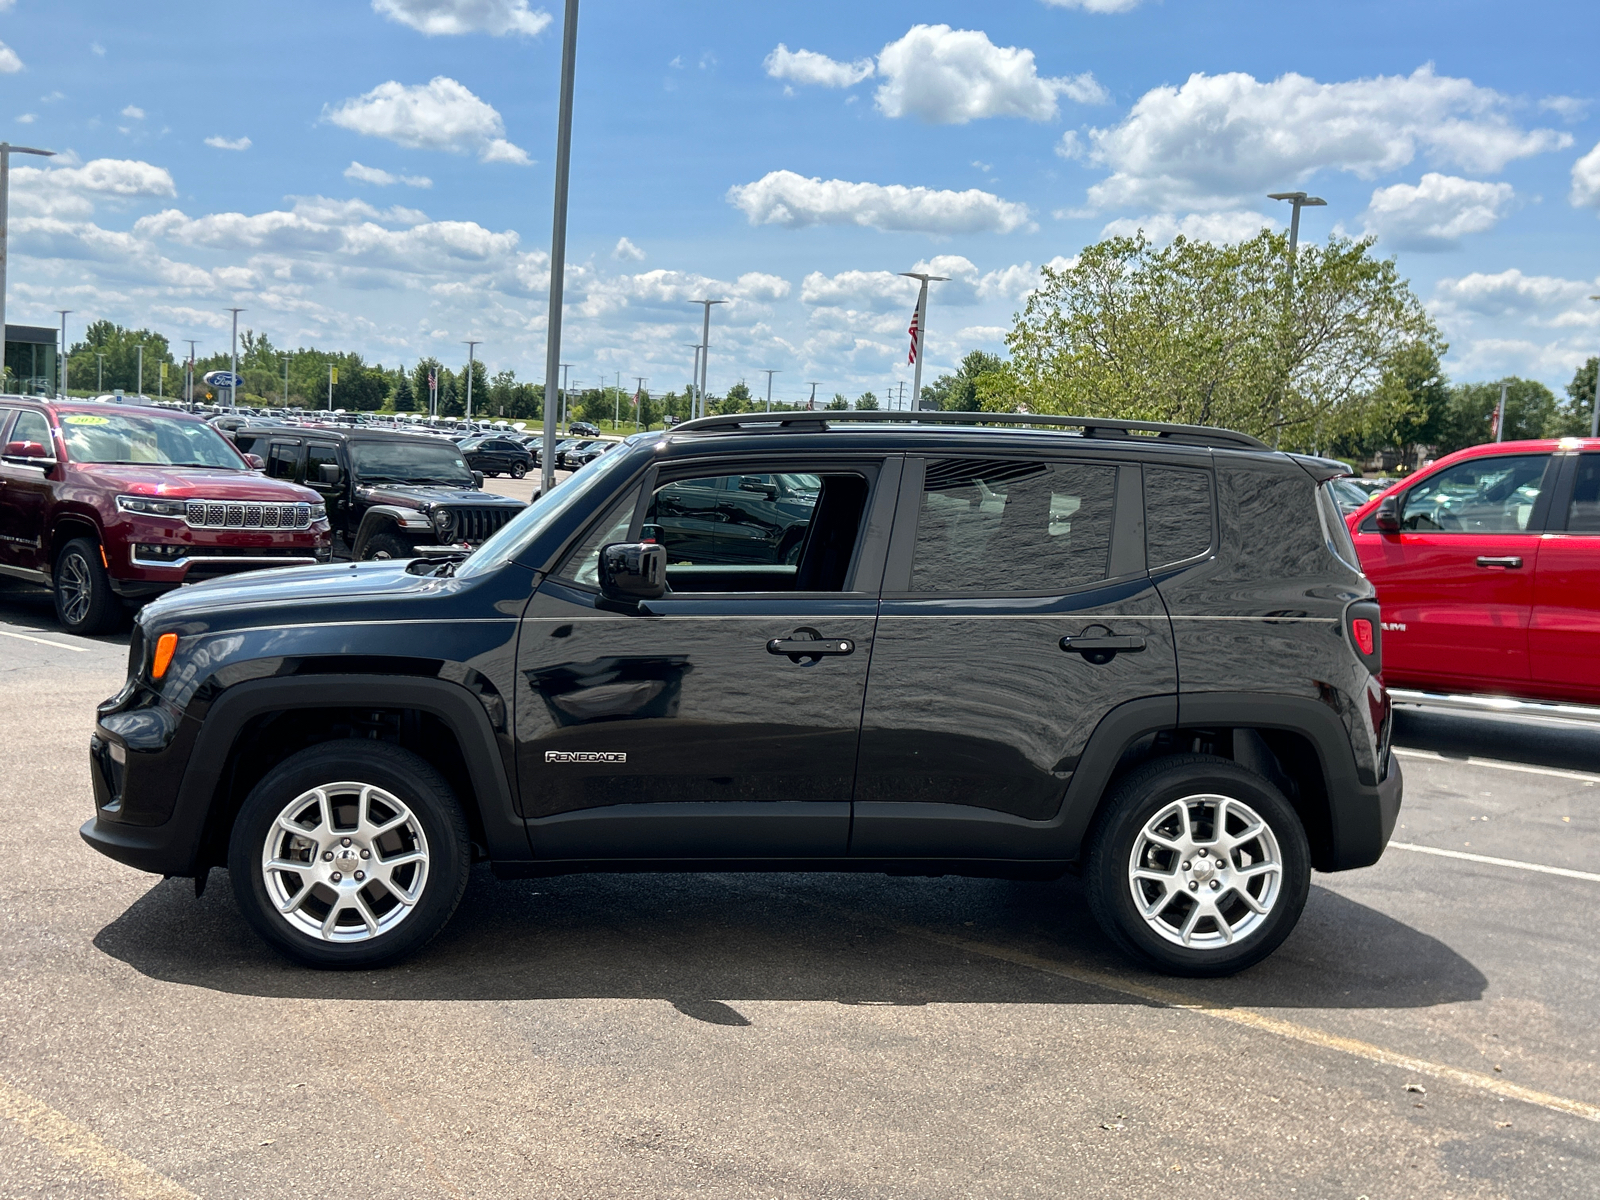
[76, 586]
[345, 862]
[1205, 871]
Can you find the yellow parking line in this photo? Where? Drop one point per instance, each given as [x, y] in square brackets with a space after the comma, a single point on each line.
[85, 1149]
[1255, 1020]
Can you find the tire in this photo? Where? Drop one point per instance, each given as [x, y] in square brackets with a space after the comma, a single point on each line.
[387, 545]
[1196, 912]
[326, 914]
[85, 603]
[518, 470]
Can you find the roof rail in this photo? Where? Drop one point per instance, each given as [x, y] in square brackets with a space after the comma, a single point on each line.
[1092, 427]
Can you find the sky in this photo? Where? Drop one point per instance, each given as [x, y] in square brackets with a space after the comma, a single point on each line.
[377, 175]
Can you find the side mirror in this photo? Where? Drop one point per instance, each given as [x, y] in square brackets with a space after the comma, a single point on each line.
[257, 463]
[631, 572]
[328, 473]
[29, 454]
[477, 479]
[1387, 518]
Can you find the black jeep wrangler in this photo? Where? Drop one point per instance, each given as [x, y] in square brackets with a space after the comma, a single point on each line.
[389, 495]
[1141, 651]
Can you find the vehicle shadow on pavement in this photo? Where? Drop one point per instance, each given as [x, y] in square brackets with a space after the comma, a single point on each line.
[700, 940]
[1540, 743]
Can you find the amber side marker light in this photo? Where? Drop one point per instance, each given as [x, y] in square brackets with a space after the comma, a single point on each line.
[166, 644]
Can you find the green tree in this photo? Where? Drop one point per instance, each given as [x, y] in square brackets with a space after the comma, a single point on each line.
[1531, 412]
[405, 397]
[838, 403]
[1216, 335]
[866, 402]
[120, 347]
[959, 392]
[1576, 416]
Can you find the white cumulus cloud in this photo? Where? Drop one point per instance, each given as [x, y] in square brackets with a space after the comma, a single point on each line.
[360, 173]
[438, 115]
[1586, 180]
[133, 112]
[809, 67]
[1096, 6]
[497, 17]
[1511, 295]
[626, 251]
[1437, 212]
[1221, 139]
[794, 201]
[10, 64]
[1216, 227]
[73, 191]
[222, 143]
[948, 76]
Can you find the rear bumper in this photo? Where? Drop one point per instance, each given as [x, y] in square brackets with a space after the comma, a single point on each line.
[1390, 792]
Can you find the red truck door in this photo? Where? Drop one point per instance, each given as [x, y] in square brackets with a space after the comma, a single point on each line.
[1456, 583]
[1564, 633]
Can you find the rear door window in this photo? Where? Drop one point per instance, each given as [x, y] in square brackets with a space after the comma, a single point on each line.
[993, 527]
[283, 459]
[1177, 514]
[31, 428]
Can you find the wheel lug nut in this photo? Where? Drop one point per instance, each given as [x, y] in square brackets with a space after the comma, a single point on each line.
[1185, 865]
[366, 854]
[1215, 885]
[1193, 886]
[327, 856]
[360, 875]
[344, 841]
[336, 877]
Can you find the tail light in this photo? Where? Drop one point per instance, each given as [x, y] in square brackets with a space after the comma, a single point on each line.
[1364, 627]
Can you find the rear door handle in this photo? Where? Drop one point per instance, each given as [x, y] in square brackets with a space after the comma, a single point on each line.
[1511, 561]
[1101, 644]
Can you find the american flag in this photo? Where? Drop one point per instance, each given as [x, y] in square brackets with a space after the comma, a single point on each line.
[913, 332]
[433, 379]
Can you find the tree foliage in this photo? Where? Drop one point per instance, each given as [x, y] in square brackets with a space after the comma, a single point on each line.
[959, 392]
[1219, 335]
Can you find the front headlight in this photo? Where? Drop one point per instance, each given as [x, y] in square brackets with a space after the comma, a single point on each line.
[150, 506]
[319, 512]
[443, 521]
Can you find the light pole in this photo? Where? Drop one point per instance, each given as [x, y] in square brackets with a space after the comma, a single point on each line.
[100, 372]
[769, 374]
[1299, 200]
[471, 350]
[6, 151]
[189, 380]
[64, 312]
[919, 329]
[694, 377]
[558, 241]
[333, 378]
[705, 348]
[1500, 415]
[1594, 417]
[562, 395]
[140, 388]
[812, 403]
[233, 381]
[285, 359]
[638, 404]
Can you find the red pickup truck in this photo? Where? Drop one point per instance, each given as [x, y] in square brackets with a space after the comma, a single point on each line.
[1487, 565]
[110, 504]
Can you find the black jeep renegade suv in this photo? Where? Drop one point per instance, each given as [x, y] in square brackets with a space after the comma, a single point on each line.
[1142, 651]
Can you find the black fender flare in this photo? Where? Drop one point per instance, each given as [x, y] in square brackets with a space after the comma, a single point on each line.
[381, 517]
[196, 811]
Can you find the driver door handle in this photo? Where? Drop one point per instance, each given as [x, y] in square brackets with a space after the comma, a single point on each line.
[797, 648]
[1101, 644]
[1510, 561]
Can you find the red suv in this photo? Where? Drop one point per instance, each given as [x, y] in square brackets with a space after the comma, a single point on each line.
[107, 504]
[1487, 566]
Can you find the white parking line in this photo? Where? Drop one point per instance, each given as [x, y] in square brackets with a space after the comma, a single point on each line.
[1498, 862]
[1497, 765]
[23, 637]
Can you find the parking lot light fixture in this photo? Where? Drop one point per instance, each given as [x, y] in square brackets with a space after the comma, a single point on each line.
[285, 359]
[769, 374]
[471, 349]
[100, 371]
[705, 349]
[188, 393]
[1594, 416]
[6, 151]
[139, 389]
[233, 383]
[919, 331]
[558, 240]
[64, 312]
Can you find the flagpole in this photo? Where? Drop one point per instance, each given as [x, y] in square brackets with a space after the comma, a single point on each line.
[919, 332]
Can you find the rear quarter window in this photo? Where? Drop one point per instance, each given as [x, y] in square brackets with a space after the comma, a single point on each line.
[1270, 516]
[1178, 512]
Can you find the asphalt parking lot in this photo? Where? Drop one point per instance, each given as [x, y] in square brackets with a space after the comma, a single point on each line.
[1431, 1029]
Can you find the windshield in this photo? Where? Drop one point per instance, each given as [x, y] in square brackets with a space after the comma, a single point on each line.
[518, 534]
[410, 462]
[147, 441]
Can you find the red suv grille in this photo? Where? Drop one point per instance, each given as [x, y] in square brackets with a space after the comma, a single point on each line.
[215, 514]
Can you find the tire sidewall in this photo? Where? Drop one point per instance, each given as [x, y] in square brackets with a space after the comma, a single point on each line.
[103, 601]
[397, 771]
[1125, 816]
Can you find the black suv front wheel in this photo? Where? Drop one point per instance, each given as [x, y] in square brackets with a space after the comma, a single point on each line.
[349, 854]
[1198, 866]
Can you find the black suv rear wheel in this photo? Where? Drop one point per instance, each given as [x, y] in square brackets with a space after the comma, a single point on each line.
[1198, 866]
[349, 854]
